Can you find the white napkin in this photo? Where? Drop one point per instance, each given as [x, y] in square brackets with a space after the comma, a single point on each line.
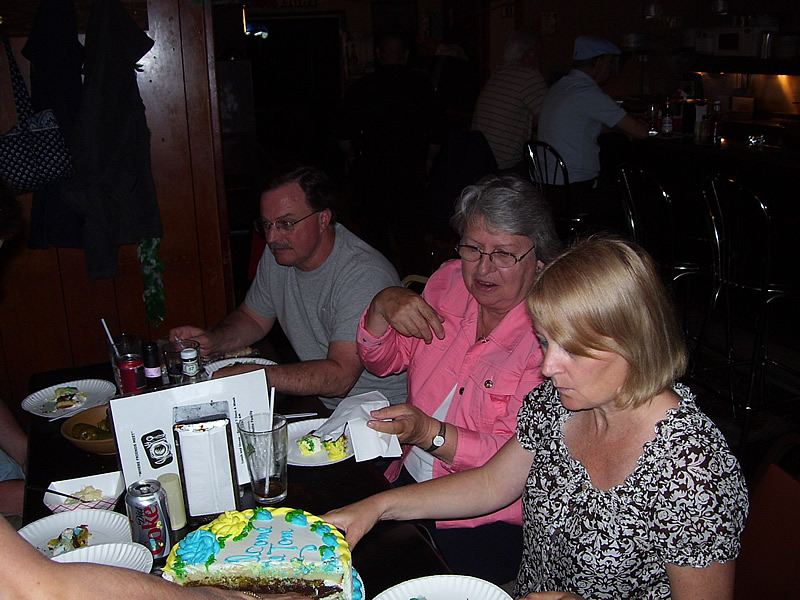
[353, 413]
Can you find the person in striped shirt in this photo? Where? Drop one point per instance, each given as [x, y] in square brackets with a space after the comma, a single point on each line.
[507, 109]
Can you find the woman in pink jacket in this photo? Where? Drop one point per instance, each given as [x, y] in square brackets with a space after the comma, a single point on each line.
[471, 355]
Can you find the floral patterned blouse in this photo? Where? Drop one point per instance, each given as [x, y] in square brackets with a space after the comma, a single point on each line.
[685, 503]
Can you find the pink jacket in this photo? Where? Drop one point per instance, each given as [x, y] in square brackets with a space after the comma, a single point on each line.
[492, 376]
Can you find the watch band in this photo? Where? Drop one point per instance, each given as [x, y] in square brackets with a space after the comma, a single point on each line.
[438, 438]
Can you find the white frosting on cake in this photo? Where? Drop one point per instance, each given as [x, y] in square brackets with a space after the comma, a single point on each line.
[279, 547]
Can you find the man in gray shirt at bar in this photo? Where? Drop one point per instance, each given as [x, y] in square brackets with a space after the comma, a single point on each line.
[316, 280]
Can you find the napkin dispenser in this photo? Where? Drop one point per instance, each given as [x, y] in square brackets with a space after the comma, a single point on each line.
[206, 459]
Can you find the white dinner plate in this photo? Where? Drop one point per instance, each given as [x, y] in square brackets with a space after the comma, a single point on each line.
[444, 587]
[244, 360]
[129, 555]
[300, 429]
[41, 403]
[105, 527]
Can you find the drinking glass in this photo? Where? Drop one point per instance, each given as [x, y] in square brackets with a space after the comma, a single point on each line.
[265, 440]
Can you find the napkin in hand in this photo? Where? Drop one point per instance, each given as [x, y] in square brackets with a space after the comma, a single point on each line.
[353, 413]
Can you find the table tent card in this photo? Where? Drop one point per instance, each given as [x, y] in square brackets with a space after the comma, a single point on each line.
[143, 424]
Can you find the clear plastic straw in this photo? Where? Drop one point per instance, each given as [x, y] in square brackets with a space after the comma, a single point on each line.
[110, 339]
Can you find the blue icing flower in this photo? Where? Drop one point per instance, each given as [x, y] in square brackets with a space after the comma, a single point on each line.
[326, 552]
[329, 539]
[320, 528]
[296, 517]
[358, 590]
[198, 547]
[262, 514]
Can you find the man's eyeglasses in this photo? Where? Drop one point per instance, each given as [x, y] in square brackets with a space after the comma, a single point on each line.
[499, 258]
[262, 225]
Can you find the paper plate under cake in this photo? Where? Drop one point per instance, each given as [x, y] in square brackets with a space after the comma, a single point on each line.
[43, 402]
[267, 550]
[295, 457]
[444, 587]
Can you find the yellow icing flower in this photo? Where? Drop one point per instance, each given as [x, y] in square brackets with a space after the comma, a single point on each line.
[231, 523]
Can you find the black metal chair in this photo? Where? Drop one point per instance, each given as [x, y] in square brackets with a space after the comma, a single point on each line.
[549, 173]
[744, 267]
[649, 219]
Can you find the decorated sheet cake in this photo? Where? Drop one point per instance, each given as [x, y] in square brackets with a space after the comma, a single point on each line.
[266, 550]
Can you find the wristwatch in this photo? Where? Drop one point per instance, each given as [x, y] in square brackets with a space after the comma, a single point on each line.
[438, 439]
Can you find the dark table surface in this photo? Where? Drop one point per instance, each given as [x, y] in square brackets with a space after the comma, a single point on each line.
[391, 553]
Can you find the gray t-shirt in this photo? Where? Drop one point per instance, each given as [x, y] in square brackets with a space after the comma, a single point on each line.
[325, 305]
[573, 114]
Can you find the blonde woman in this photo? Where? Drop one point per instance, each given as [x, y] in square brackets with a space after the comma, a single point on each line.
[628, 489]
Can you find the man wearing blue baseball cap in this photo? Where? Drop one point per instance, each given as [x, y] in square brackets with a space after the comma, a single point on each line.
[574, 113]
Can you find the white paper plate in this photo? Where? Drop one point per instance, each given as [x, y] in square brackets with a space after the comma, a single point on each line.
[300, 429]
[111, 484]
[244, 360]
[97, 391]
[105, 527]
[444, 587]
[129, 555]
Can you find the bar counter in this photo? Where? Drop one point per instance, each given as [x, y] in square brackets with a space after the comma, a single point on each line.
[391, 553]
[680, 164]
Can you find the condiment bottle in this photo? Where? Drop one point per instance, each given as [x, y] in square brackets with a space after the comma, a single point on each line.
[715, 123]
[666, 120]
[152, 365]
[191, 366]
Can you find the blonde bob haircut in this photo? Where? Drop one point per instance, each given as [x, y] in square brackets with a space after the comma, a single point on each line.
[605, 294]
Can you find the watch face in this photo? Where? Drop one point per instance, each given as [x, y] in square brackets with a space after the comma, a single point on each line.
[438, 441]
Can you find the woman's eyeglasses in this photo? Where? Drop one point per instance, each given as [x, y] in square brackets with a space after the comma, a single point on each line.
[499, 258]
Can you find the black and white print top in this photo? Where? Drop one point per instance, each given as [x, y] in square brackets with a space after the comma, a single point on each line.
[685, 504]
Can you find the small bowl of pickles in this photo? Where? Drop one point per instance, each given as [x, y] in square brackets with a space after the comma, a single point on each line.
[91, 431]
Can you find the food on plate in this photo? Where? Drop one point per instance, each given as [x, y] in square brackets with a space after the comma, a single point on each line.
[311, 445]
[84, 431]
[70, 539]
[266, 550]
[65, 397]
[88, 493]
[241, 352]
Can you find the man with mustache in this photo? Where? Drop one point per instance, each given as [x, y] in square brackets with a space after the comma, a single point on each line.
[316, 280]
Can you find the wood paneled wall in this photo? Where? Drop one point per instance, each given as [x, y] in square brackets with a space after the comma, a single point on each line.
[49, 311]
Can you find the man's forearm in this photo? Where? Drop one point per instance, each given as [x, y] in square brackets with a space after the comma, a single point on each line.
[238, 329]
[313, 377]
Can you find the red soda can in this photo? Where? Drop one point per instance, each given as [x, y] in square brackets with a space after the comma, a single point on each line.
[146, 504]
[131, 374]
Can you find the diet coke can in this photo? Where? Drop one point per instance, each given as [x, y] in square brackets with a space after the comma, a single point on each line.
[146, 503]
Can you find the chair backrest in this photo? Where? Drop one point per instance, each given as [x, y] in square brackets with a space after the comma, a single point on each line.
[647, 210]
[415, 282]
[740, 230]
[769, 562]
[545, 165]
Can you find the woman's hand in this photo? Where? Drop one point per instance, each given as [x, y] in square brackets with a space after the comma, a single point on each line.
[355, 519]
[552, 596]
[406, 312]
[410, 424]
